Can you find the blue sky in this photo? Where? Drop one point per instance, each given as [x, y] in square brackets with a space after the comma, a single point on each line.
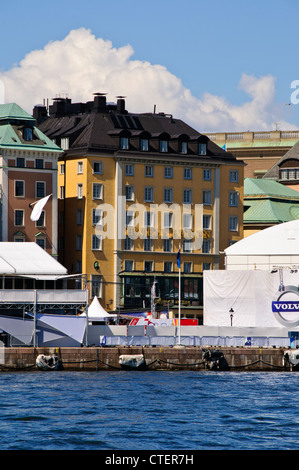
[207, 45]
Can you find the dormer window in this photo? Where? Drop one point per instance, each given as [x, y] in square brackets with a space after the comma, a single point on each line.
[163, 145]
[124, 143]
[202, 148]
[27, 133]
[184, 147]
[144, 145]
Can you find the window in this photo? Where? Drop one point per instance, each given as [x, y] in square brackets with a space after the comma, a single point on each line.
[98, 168]
[163, 146]
[129, 170]
[167, 222]
[206, 266]
[96, 286]
[148, 194]
[61, 192]
[19, 217]
[19, 239]
[184, 147]
[202, 149]
[207, 175]
[149, 171]
[96, 242]
[78, 242]
[168, 172]
[21, 162]
[206, 222]
[97, 191]
[167, 245]
[144, 145]
[148, 266]
[79, 168]
[148, 219]
[187, 246]
[41, 222]
[233, 198]
[97, 216]
[41, 241]
[19, 188]
[40, 189]
[39, 163]
[207, 197]
[188, 173]
[187, 221]
[64, 144]
[130, 218]
[167, 266]
[80, 191]
[284, 174]
[79, 217]
[233, 176]
[124, 143]
[187, 267]
[187, 196]
[28, 133]
[206, 246]
[148, 244]
[128, 265]
[128, 243]
[129, 192]
[233, 223]
[62, 169]
[168, 195]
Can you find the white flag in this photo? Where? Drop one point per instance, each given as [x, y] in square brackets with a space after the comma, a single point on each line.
[38, 208]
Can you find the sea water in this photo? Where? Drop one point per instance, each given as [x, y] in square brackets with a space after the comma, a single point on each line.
[149, 410]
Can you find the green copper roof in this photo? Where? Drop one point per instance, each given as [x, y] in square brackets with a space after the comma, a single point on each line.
[14, 111]
[269, 202]
[12, 120]
[268, 188]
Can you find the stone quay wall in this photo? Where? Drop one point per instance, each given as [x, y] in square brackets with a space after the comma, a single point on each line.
[156, 358]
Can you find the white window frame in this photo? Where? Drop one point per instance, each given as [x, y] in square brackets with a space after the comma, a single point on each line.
[129, 192]
[23, 217]
[96, 242]
[207, 197]
[79, 190]
[80, 168]
[97, 191]
[169, 192]
[23, 184]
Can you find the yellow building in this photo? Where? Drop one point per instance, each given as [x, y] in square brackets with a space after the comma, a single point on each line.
[133, 190]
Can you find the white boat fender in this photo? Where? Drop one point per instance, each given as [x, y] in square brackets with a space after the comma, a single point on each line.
[44, 362]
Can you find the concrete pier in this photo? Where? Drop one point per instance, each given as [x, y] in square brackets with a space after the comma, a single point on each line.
[156, 358]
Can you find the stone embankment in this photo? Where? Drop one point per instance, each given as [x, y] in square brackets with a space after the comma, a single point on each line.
[155, 358]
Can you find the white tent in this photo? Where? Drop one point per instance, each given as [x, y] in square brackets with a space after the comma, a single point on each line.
[28, 259]
[96, 312]
[273, 246]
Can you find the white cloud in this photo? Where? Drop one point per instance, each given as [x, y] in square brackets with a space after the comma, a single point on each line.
[82, 64]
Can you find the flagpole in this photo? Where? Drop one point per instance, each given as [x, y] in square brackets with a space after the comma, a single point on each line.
[180, 298]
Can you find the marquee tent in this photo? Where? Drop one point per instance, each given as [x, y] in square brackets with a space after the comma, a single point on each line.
[28, 259]
[271, 247]
[96, 312]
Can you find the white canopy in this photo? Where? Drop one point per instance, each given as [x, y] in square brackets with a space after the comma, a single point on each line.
[96, 311]
[273, 246]
[28, 259]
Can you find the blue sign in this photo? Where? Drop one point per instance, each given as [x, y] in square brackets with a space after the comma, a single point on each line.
[287, 306]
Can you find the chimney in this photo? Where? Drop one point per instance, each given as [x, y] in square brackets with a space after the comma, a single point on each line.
[121, 105]
[99, 102]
